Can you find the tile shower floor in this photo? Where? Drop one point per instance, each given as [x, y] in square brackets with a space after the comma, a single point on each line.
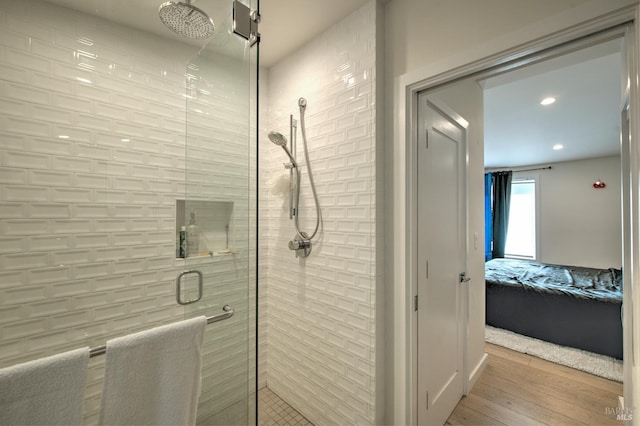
[273, 411]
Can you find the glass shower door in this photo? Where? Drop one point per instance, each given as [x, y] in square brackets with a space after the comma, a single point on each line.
[216, 224]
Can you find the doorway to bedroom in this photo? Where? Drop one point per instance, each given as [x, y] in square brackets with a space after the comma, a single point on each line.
[583, 174]
[553, 214]
[453, 76]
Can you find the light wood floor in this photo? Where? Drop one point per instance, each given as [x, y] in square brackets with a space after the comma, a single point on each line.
[519, 389]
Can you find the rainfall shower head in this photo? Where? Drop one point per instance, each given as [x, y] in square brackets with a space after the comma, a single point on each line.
[185, 19]
[281, 141]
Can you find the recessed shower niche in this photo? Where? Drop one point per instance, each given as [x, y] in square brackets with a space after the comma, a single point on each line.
[204, 228]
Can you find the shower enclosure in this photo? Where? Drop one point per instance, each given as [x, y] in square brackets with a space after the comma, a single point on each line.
[112, 139]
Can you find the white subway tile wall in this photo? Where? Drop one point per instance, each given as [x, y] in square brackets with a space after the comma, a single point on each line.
[99, 136]
[320, 323]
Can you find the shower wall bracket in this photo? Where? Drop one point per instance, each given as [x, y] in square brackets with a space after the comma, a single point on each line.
[245, 22]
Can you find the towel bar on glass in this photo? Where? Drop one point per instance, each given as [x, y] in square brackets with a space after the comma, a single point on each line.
[228, 313]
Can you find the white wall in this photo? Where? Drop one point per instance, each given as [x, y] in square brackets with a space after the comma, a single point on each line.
[424, 39]
[322, 310]
[578, 224]
[422, 32]
[88, 223]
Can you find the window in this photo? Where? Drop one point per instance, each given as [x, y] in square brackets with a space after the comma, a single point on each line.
[521, 235]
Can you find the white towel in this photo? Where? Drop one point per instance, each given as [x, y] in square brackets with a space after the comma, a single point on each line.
[47, 391]
[153, 377]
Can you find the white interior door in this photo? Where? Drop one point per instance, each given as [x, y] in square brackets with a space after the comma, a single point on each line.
[441, 259]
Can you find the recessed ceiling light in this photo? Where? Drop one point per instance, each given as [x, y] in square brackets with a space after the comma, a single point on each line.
[64, 136]
[547, 101]
[558, 147]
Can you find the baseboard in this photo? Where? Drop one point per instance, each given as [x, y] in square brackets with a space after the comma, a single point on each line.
[475, 373]
[621, 402]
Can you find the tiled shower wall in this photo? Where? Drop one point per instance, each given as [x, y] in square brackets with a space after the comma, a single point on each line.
[321, 310]
[92, 161]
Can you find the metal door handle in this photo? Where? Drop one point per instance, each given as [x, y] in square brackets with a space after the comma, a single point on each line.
[179, 287]
[464, 278]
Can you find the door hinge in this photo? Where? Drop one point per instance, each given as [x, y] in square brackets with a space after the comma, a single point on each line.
[426, 269]
[415, 303]
[245, 22]
[427, 400]
[426, 143]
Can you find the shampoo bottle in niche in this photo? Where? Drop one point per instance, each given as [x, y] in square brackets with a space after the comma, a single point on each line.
[182, 243]
[193, 237]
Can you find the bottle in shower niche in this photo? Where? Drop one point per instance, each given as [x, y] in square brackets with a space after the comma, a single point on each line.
[193, 237]
[182, 242]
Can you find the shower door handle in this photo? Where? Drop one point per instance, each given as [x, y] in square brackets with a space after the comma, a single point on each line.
[179, 287]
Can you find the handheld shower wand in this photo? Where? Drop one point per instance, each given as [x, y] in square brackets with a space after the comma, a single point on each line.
[281, 141]
[302, 241]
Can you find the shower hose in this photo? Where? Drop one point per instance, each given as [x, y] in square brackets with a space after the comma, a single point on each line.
[303, 235]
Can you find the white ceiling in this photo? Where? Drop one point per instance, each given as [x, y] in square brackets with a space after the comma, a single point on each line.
[286, 24]
[585, 118]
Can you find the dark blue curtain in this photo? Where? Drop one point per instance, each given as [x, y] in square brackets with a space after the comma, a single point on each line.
[501, 200]
[488, 217]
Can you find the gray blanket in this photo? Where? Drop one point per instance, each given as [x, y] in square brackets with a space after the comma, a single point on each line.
[586, 283]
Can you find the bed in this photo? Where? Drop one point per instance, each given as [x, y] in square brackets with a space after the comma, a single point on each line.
[567, 305]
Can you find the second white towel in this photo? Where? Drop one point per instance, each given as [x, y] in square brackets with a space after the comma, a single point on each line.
[154, 377]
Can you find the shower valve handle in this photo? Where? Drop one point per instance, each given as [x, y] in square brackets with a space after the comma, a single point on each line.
[299, 244]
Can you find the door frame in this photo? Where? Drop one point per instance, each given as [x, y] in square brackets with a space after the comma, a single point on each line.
[515, 49]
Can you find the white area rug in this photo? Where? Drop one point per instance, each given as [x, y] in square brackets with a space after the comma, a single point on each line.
[596, 364]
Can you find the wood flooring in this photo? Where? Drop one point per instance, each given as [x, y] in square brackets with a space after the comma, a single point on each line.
[519, 389]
